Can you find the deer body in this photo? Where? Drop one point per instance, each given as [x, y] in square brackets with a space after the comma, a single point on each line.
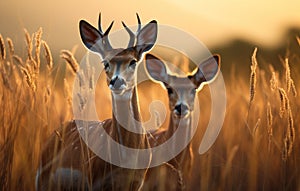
[181, 95]
[67, 163]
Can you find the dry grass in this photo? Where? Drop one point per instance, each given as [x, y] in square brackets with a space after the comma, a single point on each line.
[257, 149]
[28, 110]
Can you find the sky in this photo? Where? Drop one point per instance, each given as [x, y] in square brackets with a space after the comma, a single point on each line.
[211, 21]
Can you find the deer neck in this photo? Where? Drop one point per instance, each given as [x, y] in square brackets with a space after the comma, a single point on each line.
[185, 122]
[126, 114]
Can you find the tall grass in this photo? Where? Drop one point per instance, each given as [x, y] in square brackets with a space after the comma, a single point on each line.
[31, 107]
[257, 149]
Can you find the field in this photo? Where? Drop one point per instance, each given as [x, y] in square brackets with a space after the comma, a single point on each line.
[257, 149]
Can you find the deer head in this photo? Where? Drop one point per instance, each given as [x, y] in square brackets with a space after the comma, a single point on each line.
[119, 63]
[182, 90]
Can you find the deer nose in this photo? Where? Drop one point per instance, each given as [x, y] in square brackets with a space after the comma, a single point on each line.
[181, 110]
[117, 83]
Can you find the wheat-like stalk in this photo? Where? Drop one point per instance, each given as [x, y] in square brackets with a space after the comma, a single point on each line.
[92, 79]
[283, 101]
[38, 37]
[291, 129]
[252, 83]
[286, 149]
[18, 59]
[28, 40]
[289, 137]
[47, 94]
[269, 115]
[256, 126]
[81, 78]
[294, 90]
[274, 82]
[67, 92]
[2, 48]
[5, 79]
[298, 40]
[271, 68]
[287, 75]
[48, 55]
[29, 78]
[253, 76]
[68, 56]
[10, 46]
[270, 123]
[290, 85]
[229, 161]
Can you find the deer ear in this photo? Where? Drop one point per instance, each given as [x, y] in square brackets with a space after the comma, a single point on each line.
[91, 37]
[156, 68]
[146, 37]
[206, 71]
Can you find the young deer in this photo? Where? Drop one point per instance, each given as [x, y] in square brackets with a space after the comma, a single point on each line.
[66, 162]
[181, 93]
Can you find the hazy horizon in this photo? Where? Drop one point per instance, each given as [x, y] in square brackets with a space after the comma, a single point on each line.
[211, 22]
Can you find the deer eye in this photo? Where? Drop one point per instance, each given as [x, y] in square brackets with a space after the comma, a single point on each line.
[106, 66]
[193, 92]
[170, 91]
[132, 64]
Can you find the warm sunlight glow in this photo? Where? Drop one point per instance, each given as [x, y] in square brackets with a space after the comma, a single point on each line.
[213, 21]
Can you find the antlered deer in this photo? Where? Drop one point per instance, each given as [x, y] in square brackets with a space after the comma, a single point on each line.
[66, 162]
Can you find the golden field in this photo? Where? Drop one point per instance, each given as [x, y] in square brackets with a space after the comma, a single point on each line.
[257, 148]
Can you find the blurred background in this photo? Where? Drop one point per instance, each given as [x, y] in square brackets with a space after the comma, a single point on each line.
[213, 22]
[231, 28]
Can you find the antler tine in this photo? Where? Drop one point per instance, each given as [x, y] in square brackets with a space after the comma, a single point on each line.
[105, 37]
[108, 29]
[99, 23]
[105, 34]
[139, 22]
[131, 36]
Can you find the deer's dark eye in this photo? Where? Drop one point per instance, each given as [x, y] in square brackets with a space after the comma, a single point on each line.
[132, 64]
[170, 91]
[106, 66]
[193, 91]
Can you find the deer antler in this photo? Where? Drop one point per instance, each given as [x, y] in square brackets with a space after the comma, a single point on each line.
[131, 34]
[104, 35]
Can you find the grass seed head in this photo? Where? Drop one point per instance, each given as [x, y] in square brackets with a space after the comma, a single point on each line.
[287, 75]
[38, 37]
[48, 55]
[10, 46]
[29, 80]
[291, 129]
[253, 76]
[2, 48]
[269, 115]
[70, 59]
[274, 82]
[28, 40]
[283, 101]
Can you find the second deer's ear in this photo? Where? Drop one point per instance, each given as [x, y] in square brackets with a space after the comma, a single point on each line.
[91, 37]
[146, 37]
[206, 71]
[156, 68]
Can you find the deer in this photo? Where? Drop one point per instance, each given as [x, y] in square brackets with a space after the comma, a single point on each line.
[182, 92]
[66, 161]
